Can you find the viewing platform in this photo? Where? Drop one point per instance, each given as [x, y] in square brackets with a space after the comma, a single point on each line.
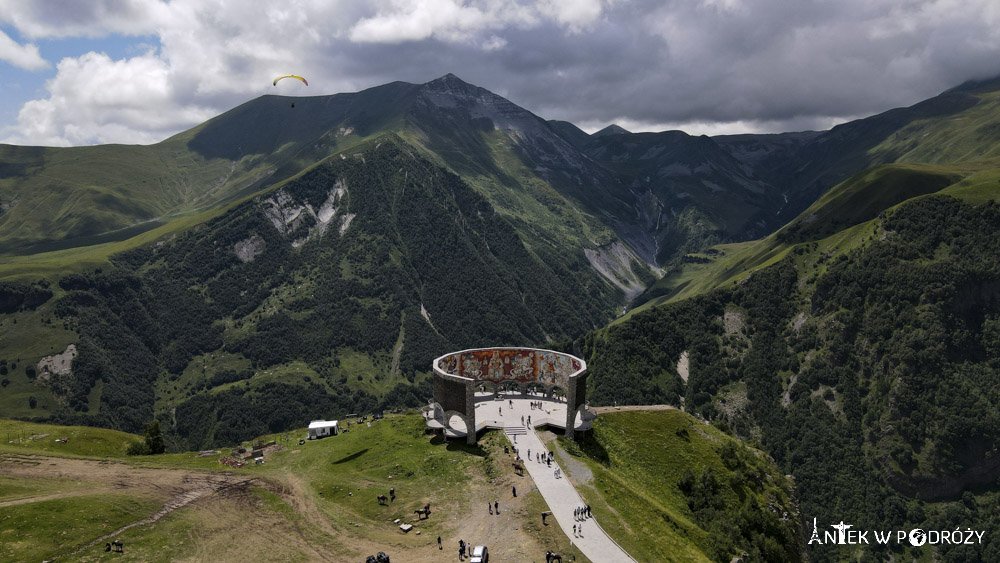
[496, 412]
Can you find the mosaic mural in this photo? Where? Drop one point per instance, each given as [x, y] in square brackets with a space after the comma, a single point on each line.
[501, 365]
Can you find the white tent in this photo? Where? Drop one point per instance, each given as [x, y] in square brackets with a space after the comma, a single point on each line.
[321, 428]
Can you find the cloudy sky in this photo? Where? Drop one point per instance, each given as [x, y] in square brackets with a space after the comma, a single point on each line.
[136, 71]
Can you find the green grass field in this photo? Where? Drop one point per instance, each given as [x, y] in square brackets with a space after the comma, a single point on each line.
[44, 529]
[84, 441]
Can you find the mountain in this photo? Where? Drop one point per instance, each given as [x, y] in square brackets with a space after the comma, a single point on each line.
[612, 129]
[336, 288]
[831, 296]
[555, 196]
[856, 343]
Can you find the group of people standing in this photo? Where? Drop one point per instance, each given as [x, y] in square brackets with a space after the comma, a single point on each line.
[545, 458]
[580, 514]
[462, 546]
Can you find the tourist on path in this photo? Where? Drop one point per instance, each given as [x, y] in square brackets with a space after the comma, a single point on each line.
[490, 508]
[439, 543]
[496, 507]
[513, 490]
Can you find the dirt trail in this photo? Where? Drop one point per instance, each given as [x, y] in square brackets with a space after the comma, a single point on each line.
[179, 487]
[173, 504]
[53, 496]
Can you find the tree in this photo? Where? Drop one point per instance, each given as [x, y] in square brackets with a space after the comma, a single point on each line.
[154, 440]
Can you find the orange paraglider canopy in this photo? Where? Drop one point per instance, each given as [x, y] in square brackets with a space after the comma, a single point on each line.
[289, 76]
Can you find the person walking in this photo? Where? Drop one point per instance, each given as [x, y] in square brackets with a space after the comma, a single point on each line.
[588, 511]
[490, 508]
[574, 530]
[522, 420]
[439, 543]
[513, 490]
[496, 507]
[580, 527]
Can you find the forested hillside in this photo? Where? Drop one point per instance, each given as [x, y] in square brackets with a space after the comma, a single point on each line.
[327, 296]
[870, 375]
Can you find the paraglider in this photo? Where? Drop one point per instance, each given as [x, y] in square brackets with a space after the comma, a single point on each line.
[275, 83]
[289, 76]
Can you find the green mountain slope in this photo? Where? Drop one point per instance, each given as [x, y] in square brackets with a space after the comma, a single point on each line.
[864, 361]
[671, 488]
[836, 223]
[335, 290]
[111, 198]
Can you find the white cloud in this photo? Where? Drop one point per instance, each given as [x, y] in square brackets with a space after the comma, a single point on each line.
[21, 56]
[94, 99]
[707, 65]
[92, 18]
[458, 21]
[577, 14]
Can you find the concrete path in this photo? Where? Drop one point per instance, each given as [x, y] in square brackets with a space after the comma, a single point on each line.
[558, 493]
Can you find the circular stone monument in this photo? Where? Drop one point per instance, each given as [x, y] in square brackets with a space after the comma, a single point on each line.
[458, 374]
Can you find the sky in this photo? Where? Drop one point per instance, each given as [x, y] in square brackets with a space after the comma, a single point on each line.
[137, 71]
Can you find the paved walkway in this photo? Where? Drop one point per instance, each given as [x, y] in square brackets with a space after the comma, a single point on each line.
[559, 493]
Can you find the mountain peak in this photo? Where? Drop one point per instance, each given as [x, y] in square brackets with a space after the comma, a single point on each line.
[449, 83]
[612, 129]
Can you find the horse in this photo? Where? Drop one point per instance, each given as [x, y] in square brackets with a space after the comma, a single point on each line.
[518, 468]
[425, 511]
[556, 557]
[382, 499]
[119, 546]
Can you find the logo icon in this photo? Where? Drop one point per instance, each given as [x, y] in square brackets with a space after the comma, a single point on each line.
[918, 537]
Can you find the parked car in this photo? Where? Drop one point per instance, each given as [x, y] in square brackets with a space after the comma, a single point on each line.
[480, 555]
